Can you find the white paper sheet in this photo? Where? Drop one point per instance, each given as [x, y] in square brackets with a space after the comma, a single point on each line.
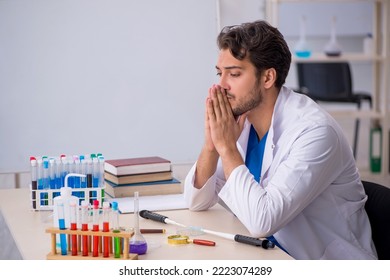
[152, 203]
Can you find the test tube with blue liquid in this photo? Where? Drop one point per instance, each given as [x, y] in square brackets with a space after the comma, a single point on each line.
[64, 169]
[83, 170]
[70, 165]
[40, 180]
[95, 175]
[77, 180]
[61, 225]
[46, 181]
[101, 173]
[89, 178]
[52, 173]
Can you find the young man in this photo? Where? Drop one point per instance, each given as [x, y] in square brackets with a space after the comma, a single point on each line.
[277, 160]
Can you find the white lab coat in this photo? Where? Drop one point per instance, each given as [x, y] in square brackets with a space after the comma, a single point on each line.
[310, 196]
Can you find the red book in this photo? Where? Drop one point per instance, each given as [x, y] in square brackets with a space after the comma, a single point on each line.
[141, 165]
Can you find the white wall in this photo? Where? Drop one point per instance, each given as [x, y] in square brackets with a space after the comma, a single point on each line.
[121, 77]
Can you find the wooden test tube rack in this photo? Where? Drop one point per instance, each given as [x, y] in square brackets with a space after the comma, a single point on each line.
[54, 255]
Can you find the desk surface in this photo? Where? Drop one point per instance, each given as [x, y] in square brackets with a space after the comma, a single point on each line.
[28, 230]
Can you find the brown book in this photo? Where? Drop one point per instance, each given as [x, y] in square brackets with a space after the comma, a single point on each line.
[150, 188]
[138, 178]
[141, 165]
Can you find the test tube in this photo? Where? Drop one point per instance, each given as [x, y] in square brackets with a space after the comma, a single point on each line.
[70, 163]
[106, 228]
[40, 180]
[95, 175]
[77, 180]
[61, 225]
[73, 226]
[46, 181]
[96, 171]
[64, 169]
[89, 177]
[59, 183]
[101, 171]
[101, 174]
[83, 170]
[84, 226]
[52, 173]
[115, 226]
[95, 227]
[34, 183]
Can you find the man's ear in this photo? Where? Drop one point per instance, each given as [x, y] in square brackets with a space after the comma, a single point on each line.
[269, 78]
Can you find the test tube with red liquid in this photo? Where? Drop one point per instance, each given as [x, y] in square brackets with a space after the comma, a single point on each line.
[73, 226]
[84, 226]
[106, 228]
[95, 227]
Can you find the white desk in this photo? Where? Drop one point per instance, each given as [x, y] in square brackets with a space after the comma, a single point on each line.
[28, 227]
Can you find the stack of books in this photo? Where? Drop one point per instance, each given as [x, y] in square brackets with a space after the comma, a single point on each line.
[146, 175]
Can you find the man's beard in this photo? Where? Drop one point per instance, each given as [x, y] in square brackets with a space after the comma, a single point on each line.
[255, 98]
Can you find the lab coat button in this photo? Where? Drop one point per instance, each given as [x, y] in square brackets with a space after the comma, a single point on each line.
[272, 146]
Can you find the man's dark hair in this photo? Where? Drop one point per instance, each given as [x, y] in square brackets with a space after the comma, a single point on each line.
[262, 43]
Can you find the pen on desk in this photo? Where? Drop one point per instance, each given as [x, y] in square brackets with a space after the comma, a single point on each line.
[152, 230]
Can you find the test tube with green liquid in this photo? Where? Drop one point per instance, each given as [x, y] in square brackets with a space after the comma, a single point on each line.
[115, 226]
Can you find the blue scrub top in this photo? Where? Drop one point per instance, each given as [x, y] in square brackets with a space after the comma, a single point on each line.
[254, 162]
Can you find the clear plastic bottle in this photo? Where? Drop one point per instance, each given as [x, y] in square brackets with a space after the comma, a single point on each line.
[65, 198]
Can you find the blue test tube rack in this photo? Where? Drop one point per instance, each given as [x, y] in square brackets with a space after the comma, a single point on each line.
[48, 174]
